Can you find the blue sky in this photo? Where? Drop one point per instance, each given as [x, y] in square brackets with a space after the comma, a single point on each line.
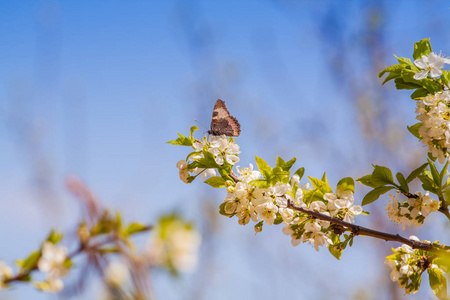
[96, 88]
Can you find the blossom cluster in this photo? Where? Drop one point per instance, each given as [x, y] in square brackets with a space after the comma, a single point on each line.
[223, 148]
[407, 265]
[318, 232]
[413, 211]
[433, 112]
[53, 262]
[266, 203]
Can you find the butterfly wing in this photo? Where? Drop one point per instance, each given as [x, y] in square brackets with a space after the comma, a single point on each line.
[222, 122]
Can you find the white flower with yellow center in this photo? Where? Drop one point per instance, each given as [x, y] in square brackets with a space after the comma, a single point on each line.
[267, 211]
[431, 63]
[224, 149]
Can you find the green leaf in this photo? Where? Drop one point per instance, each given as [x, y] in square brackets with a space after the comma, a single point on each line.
[181, 141]
[326, 188]
[414, 129]
[427, 183]
[193, 128]
[135, 227]
[443, 171]
[402, 181]
[391, 75]
[30, 262]
[405, 62]
[216, 182]
[367, 180]
[445, 77]
[435, 174]
[54, 237]
[263, 167]
[118, 220]
[430, 85]
[336, 248]
[280, 162]
[438, 282]
[345, 184]
[278, 220]
[431, 157]
[222, 210]
[414, 174]
[300, 172]
[382, 176]
[402, 84]
[278, 175]
[287, 166]
[419, 93]
[375, 194]
[206, 162]
[68, 263]
[422, 47]
[262, 183]
[317, 183]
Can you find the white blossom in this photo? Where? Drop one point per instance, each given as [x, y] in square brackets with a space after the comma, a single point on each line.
[52, 262]
[431, 63]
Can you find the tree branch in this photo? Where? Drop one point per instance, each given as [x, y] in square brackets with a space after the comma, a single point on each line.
[363, 231]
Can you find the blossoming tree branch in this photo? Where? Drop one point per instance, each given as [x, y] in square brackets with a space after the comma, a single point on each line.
[313, 212]
[106, 243]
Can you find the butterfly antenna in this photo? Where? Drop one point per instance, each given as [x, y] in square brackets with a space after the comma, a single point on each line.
[201, 125]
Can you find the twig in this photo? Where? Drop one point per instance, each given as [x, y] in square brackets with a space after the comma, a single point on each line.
[360, 230]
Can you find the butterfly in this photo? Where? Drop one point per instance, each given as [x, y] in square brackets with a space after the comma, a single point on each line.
[222, 122]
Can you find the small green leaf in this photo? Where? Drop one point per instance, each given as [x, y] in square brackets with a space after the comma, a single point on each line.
[193, 128]
[443, 171]
[406, 62]
[54, 237]
[335, 251]
[375, 194]
[135, 227]
[118, 220]
[288, 165]
[278, 175]
[317, 183]
[280, 162]
[419, 93]
[345, 184]
[216, 182]
[434, 172]
[402, 181]
[422, 47]
[414, 174]
[367, 180]
[181, 141]
[445, 77]
[264, 168]
[31, 261]
[427, 183]
[414, 129]
[222, 210]
[262, 183]
[438, 282]
[300, 172]
[68, 263]
[382, 176]
[278, 220]
[401, 84]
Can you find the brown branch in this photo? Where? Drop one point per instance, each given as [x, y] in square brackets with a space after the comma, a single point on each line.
[363, 231]
[21, 276]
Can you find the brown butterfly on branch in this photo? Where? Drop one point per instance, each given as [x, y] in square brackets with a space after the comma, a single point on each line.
[222, 122]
